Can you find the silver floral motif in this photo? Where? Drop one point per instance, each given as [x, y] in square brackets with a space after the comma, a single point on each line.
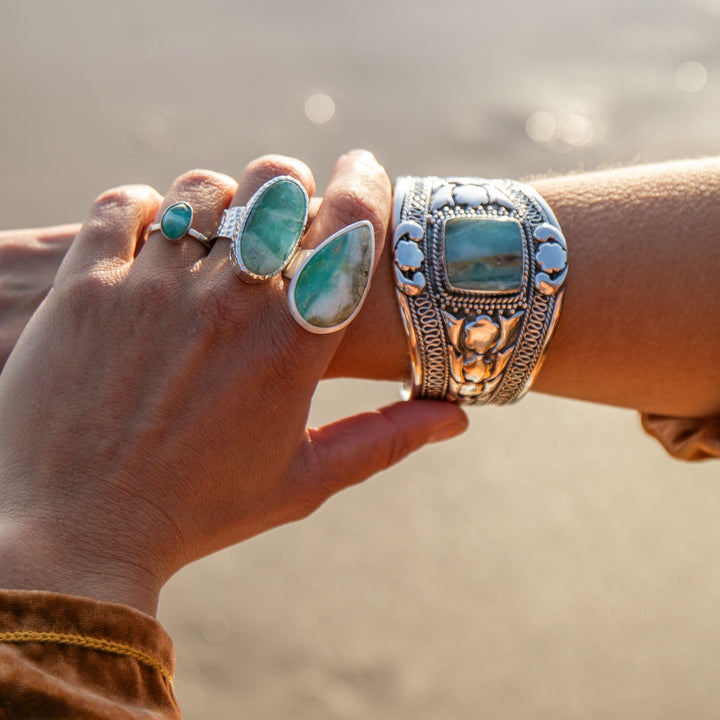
[550, 258]
[408, 255]
[480, 349]
[468, 192]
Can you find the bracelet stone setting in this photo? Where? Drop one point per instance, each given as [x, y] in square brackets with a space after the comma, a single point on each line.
[480, 268]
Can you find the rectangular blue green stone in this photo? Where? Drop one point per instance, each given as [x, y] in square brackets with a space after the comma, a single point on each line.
[484, 254]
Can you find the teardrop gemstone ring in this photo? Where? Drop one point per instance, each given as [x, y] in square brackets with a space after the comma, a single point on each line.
[329, 284]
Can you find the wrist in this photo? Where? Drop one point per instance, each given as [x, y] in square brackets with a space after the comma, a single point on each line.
[31, 558]
[374, 345]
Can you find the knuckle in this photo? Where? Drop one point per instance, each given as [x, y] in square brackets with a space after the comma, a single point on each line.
[154, 293]
[117, 197]
[267, 167]
[350, 206]
[128, 203]
[399, 446]
[86, 291]
[221, 313]
[202, 180]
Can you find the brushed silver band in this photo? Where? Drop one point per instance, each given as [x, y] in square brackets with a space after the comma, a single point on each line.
[469, 345]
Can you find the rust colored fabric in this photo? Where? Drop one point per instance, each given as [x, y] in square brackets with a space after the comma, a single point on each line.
[686, 438]
[72, 657]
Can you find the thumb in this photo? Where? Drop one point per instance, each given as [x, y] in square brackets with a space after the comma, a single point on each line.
[349, 451]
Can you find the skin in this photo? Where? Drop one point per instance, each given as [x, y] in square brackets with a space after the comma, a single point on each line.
[637, 330]
[155, 406]
[637, 326]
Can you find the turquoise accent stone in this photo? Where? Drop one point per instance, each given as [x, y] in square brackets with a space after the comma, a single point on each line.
[332, 284]
[273, 227]
[176, 220]
[484, 254]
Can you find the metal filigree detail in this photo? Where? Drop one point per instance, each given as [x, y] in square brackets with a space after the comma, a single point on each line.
[551, 258]
[473, 346]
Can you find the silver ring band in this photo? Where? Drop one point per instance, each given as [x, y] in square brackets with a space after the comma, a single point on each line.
[480, 267]
[229, 223]
[176, 222]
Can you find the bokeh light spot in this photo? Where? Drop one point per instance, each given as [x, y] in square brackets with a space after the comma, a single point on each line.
[319, 108]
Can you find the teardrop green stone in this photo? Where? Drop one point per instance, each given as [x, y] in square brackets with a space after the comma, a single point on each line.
[332, 284]
[176, 220]
[273, 227]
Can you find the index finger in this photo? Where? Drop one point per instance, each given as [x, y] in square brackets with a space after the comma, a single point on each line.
[332, 272]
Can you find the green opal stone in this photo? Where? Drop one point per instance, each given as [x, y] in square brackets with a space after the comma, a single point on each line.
[176, 220]
[331, 286]
[273, 227]
[484, 254]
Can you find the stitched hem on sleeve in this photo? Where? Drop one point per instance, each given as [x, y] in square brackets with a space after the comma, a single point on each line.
[88, 642]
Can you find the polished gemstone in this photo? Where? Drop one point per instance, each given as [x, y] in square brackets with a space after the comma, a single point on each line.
[273, 227]
[330, 287]
[176, 220]
[484, 254]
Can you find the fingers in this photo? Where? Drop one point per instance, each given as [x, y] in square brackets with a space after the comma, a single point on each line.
[112, 230]
[359, 189]
[255, 175]
[349, 451]
[329, 287]
[208, 194]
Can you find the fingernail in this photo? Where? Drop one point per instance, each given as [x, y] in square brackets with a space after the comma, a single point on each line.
[445, 432]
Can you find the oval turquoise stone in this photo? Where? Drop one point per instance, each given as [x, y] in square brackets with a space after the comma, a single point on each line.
[273, 227]
[332, 284]
[484, 254]
[176, 220]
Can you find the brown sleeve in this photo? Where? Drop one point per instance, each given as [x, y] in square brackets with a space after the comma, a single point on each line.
[72, 657]
[685, 438]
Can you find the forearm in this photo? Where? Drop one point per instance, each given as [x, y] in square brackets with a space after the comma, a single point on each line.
[639, 320]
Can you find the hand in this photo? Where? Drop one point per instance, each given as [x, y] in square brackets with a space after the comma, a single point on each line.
[155, 407]
[29, 260]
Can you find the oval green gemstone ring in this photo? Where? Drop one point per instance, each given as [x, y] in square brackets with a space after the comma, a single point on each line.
[176, 222]
[269, 229]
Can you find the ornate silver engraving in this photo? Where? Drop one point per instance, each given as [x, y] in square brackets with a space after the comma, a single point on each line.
[471, 346]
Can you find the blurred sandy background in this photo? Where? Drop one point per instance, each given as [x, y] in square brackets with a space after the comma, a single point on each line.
[550, 564]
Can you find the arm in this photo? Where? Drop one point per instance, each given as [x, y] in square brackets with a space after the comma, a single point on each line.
[639, 320]
[154, 410]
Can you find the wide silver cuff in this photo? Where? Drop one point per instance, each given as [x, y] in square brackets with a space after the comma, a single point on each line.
[480, 268]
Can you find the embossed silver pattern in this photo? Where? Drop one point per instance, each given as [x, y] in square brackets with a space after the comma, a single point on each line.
[475, 346]
[229, 223]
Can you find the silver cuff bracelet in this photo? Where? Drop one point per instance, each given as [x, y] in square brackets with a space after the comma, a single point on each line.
[480, 268]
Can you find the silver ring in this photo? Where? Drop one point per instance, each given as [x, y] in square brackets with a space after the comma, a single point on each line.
[176, 222]
[480, 268]
[265, 234]
[229, 224]
[329, 283]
